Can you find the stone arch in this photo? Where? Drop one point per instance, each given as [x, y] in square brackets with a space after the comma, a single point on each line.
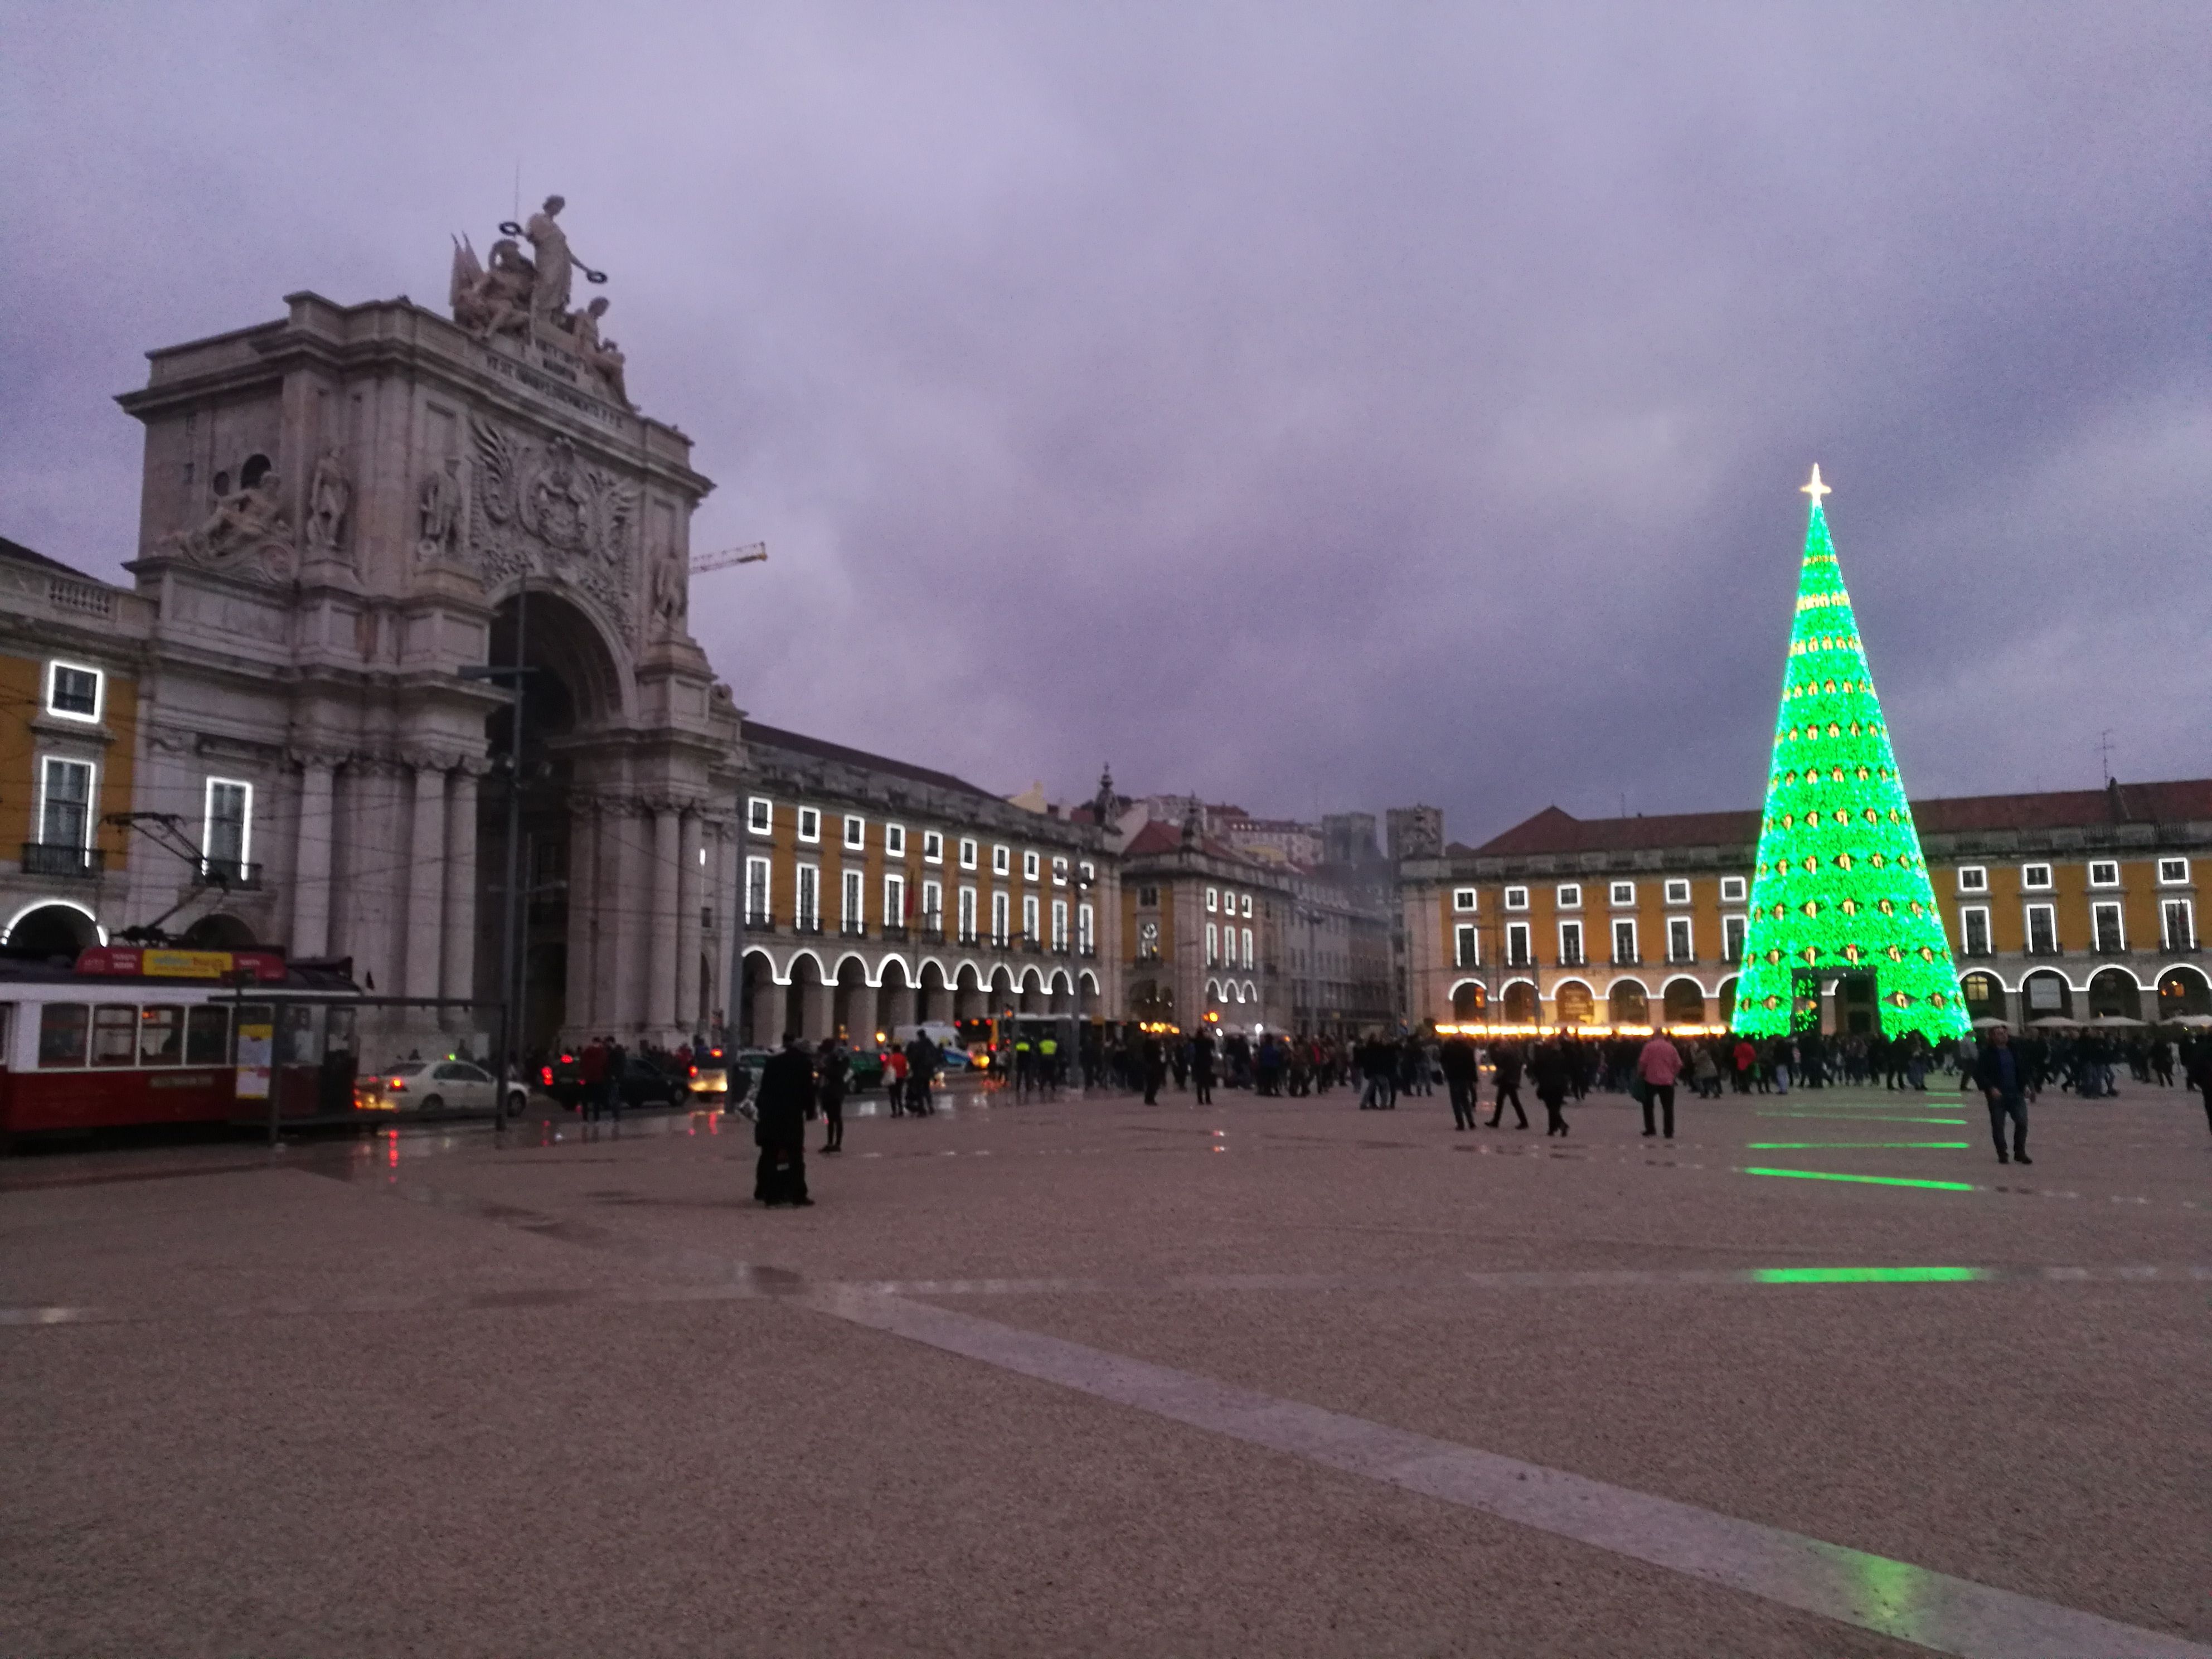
[572, 645]
[1573, 1003]
[934, 998]
[2182, 989]
[853, 1004]
[811, 1008]
[53, 927]
[1727, 999]
[894, 998]
[760, 1023]
[2114, 991]
[1982, 993]
[1251, 993]
[1521, 1006]
[219, 931]
[1151, 1003]
[1683, 1001]
[1627, 1003]
[2045, 993]
[1470, 1001]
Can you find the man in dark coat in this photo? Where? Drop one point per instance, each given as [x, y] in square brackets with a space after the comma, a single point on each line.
[1457, 1057]
[1507, 1058]
[922, 1062]
[830, 1074]
[1548, 1070]
[1201, 1066]
[786, 1096]
[1997, 1074]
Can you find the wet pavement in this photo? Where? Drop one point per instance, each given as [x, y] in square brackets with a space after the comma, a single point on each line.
[1076, 1376]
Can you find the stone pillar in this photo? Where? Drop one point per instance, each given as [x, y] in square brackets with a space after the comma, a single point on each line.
[425, 887]
[769, 1021]
[722, 849]
[691, 875]
[625, 919]
[311, 862]
[460, 975]
[816, 1003]
[861, 1016]
[660, 938]
[583, 1008]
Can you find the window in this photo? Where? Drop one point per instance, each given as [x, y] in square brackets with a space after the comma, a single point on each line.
[1463, 898]
[161, 1035]
[65, 803]
[760, 815]
[1571, 944]
[1624, 942]
[1029, 866]
[852, 912]
[1244, 938]
[2042, 930]
[933, 847]
[1148, 941]
[895, 841]
[2105, 924]
[967, 852]
[999, 914]
[933, 906]
[2104, 873]
[1148, 897]
[1516, 946]
[1029, 934]
[1974, 930]
[1086, 872]
[207, 1034]
[1973, 878]
[1623, 892]
[62, 1027]
[894, 901]
[1212, 900]
[1517, 898]
[1732, 931]
[1212, 944]
[2035, 876]
[1467, 947]
[1732, 889]
[1085, 941]
[226, 830]
[967, 915]
[1002, 861]
[2176, 917]
[809, 909]
[2172, 873]
[74, 693]
[809, 825]
[1059, 872]
[756, 910]
[1248, 904]
[115, 1034]
[1059, 924]
[1571, 896]
[856, 832]
[1678, 892]
[1678, 939]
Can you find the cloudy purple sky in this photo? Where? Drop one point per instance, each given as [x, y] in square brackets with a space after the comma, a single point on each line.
[1314, 406]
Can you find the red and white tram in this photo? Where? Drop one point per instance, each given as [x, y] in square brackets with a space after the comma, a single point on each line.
[147, 1036]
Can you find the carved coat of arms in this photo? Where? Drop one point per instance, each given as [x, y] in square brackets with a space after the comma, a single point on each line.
[538, 507]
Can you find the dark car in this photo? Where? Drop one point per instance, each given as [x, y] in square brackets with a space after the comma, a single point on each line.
[643, 1083]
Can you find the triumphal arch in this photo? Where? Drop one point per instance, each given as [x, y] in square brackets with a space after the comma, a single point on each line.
[342, 511]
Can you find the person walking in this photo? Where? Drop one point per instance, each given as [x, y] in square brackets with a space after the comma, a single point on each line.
[1154, 1060]
[1457, 1057]
[1548, 1070]
[592, 1073]
[786, 1096]
[894, 1077]
[831, 1070]
[1997, 1074]
[921, 1063]
[1201, 1066]
[1658, 1066]
[1506, 1060]
[2197, 1064]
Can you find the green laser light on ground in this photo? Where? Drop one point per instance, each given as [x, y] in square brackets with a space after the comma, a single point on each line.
[1867, 1275]
[1868, 1180]
[1857, 1146]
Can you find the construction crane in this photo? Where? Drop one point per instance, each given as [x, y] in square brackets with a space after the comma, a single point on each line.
[751, 553]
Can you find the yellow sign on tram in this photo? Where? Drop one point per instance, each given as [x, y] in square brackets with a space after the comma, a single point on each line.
[185, 964]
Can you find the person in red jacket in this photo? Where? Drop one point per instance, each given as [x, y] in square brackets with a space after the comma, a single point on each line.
[1659, 1064]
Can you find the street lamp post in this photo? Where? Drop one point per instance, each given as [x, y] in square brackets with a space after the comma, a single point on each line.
[512, 677]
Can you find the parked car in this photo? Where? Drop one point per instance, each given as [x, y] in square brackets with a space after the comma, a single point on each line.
[562, 1078]
[436, 1085]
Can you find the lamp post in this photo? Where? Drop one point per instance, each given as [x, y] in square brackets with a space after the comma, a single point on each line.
[513, 677]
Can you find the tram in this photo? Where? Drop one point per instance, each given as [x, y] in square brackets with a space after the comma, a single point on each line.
[126, 1035]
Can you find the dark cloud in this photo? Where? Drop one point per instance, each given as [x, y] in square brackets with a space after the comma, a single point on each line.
[1313, 406]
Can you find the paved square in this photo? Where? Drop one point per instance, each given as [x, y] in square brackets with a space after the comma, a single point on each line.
[1083, 1376]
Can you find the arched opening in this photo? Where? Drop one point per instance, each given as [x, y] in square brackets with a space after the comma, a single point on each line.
[895, 996]
[1032, 993]
[1151, 1003]
[2114, 991]
[2183, 991]
[573, 688]
[760, 1007]
[219, 933]
[2044, 995]
[52, 930]
[1574, 1004]
[852, 1012]
[1000, 1003]
[1627, 1004]
[958, 998]
[1728, 1000]
[808, 995]
[1520, 1003]
[1983, 995]
[1470, 1002]
[1683, 1002]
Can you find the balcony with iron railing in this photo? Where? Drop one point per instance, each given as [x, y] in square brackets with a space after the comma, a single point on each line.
[234, 874]
[46, 858]
[808, 925]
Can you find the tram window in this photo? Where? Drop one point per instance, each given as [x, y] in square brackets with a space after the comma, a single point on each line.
[61, 1026]
[161, 1035]
[115, 1034]
[207, 1034]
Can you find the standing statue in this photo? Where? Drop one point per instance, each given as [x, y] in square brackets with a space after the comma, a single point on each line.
[329, 498]
[548, 243]
[438, 512]
[671, 588]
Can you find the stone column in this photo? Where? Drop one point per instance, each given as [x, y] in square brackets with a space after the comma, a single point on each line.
[768, 1022]
[583, 1009]
[425, 887]
[723, 851]
[691, 880]
[660, 938]
[861, 1016]
[311, 862]
[816, 1004]
[460, 975]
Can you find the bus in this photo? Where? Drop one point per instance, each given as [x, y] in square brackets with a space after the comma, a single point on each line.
[128, 1036]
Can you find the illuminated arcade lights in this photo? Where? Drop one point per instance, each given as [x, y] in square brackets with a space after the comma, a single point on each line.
[1841, 887]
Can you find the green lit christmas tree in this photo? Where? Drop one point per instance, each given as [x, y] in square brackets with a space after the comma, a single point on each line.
[1841, 888]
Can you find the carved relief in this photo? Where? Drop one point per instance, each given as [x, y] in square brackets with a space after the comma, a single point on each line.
[247, 534]
[537, 509]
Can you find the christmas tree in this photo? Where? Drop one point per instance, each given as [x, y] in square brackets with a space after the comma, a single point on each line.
[1841, 888]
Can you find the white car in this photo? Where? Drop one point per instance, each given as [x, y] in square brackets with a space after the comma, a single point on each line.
[436, 1085]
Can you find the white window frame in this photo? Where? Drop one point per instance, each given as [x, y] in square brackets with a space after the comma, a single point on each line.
[1213, 900]
[759, 906]
[1086, 927]
[966, 920]
[853, 900]
[894, 901]
[1517, 898]
[2035, 877]
[806, 897]
[1464, 899]
[1971, 916]
[933, 847]
[55, 669]
[1213, 944]
[2110, 878]
[932, 905]
[1030, 933]
[967, 852]
[1246, 900]
[91, 770]
[1735, 930]
[1679, 926]
[1059, 924]
[1621, 894]
[1579, 957]
[1087, 871]
[856, 833]
[1244, 938]
[2187, 939]
[1002, 918]
[2101, 911]
[2174, 873]
[1030, 863]
[1570, 895]
[245, 826]
[1677, 891]
[1059, 872]
[810, 825]
[1002, 859]
[1973, 878]
[1625, 925]
[2049, 913]
[1467, 945]
[895, 841]
[1519, 946]
[1732, 890]
[760, 815]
